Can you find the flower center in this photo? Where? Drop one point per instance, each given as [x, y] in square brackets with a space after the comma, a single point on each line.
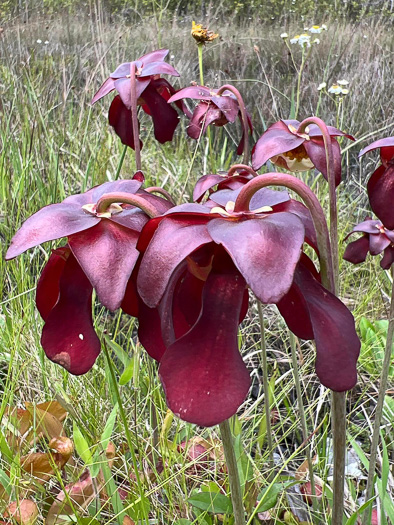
[113, 209]
[299, 154]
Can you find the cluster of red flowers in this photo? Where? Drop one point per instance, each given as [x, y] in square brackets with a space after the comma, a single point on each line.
[185, 271]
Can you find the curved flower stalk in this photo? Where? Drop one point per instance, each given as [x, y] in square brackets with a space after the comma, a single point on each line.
[256, 248]
[151, 93]
[381, 183]
[102, 232]
[218, 108]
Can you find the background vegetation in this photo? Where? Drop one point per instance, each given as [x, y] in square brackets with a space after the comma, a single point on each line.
[53, 57]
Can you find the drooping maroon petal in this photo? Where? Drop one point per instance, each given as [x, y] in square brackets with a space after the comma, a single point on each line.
[337, 343]
[119, 117]
[205, 183]
[388, 258]
[203, 375]
[316, 152]
[94, 194]
[274, 142]
[368, 226]
[174, 239]
[381, 143]
[131, 300]
[48, 291]
[107, 255]
[315, 131]
[241, 145]
[123, 87]
[149, 331]
[265, 250]
[294, 310]
[165, 117]
[381, 195]
[299, 209]
[227, 105]
[107, 87]
[68, 337]
[356, 251]
[51, 222]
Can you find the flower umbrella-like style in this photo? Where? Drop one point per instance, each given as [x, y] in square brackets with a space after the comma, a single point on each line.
[288, 148]
[213, 108]
[101, 254]
[381, 183]
[258, 249]
[152, 93]
[375, 240]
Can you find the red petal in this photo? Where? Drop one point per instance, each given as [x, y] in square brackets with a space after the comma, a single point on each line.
[158, 68]
[165, 117]
[265, 250]
[154, 56]
[388, 258]
[356, 252]
[47, 292]
[68, 337]
[174, 239]
[203, 375]
[119, 117]
[107, 255]
[381, 195]
[94, 194]
[381, 143]
[205, 183]
[149, 331]
[123, 87]
[51, 222]
[299, 209]
[317, 153]
[193, 92]
[107, 87]
[274, 142]
[337, 344]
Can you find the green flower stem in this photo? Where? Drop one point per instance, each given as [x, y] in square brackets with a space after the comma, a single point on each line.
[200, 66]
[300, 71]
[134, 119]
[126, 198]
[122, 157]
[380, 403]
[301, 410]
[126, 425]
[266, 386]
[242, 108]
[332, 191]
[233, 476]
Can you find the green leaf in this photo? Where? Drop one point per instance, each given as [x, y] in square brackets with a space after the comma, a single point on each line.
[211, 502]
[109, 427]
[359, 512]
[81, 446]
[6, 482]
[4, 448]
[127, 374]
[268, 497]
[183, 521]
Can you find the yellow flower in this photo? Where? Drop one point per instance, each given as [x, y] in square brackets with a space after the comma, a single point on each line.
[202, 34]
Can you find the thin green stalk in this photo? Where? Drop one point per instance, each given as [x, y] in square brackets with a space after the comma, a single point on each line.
[301, 410]
[265, 385]
[127, 429]
[233, 476]
[300, 71]
[200, 66]
[380, 403]
[338, 424]
[117, 174]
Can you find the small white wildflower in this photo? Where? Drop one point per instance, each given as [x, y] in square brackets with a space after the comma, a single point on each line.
[343, 82]
[304, 40]
[316, 41]
[46, 42]
[324, 27]
[39, 41]
[345, 91]
[321, 86]
[335, 89]
[365, 36]
[315, 29]
[284, 36]
[295, 39]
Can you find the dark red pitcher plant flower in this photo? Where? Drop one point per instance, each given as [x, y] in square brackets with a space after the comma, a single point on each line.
[151, 93]
[258, 249]
[295, 147]
[381, 183]
[100, 254]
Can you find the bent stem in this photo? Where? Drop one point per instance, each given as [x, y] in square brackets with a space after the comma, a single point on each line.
[301, 410]
[233, 476]
[332, 189]
[266, 386]
[126, 198]
[244, 116]
[380, 403]
[134, 118]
